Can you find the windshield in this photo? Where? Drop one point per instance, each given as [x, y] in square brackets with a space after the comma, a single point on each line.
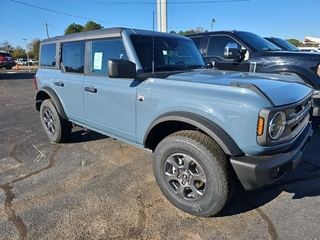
[256, 42]
[168, 53]
[284, 44]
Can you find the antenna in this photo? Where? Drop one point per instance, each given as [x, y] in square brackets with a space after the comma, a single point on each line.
[152, 43]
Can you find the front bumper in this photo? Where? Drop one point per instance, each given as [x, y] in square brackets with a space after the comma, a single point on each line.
[256, 171]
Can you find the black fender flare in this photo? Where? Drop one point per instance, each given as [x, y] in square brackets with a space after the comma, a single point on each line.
[306, 75]
[45, 93]
[227, 144]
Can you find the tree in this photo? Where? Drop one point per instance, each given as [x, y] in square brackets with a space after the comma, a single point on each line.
[6, 47]
[36, 48]
[33, 48]
[73, 28]
[76, 28]
[91, 26]
[19, 52]
[186, 32]
[294, 42]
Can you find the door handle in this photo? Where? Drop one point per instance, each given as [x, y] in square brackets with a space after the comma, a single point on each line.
[91, 89]
[60, 84]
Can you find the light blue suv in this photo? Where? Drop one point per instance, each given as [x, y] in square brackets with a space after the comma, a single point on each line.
[206, 127]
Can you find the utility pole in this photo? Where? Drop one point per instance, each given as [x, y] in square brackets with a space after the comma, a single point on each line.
[162, 15]
[47, 29]
[27, 53]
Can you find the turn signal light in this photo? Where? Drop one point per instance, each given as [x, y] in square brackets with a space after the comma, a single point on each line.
[260, 126]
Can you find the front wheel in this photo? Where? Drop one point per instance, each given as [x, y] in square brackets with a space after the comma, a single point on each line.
[193, 173]
[57, 129]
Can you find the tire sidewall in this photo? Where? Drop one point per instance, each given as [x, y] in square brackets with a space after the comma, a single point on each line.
[47, 104]
[214, 196]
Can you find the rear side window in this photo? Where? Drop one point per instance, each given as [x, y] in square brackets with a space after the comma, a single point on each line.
[73, 57]
[102, 51]
[197, 41]
[48, 55]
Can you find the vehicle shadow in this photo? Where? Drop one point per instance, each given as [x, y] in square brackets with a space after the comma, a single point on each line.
[84, 135]
[16, 75]
[303, 181]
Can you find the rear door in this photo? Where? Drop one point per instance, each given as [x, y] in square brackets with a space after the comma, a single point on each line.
[69, 82]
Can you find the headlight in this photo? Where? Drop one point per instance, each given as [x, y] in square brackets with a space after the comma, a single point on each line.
[276, 125]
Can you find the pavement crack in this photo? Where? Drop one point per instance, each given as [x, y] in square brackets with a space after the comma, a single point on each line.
[8, 189]
[50, 164]
[11, 153]
[271, 228]
[11, 213]
[140, 226]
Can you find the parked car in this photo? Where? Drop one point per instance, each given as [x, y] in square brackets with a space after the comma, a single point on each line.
[283, 44]
[150, 89]
[6, 61]
[310, 49]
[24, 61]
[34, 61]
[249, 52]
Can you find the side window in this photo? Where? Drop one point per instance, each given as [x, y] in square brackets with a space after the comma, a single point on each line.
[197, 41]
[73, 57]
[102, 51]
[48, 55]
[217, 45]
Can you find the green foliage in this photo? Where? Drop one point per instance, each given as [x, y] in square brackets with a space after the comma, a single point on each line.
[76, 28]
[34, 47]
[294, 42]
[19, 52]
[186, 32]
[73, 28]
[91, 26]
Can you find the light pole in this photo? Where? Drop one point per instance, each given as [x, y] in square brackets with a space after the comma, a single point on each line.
[212, 22]
[27, 53]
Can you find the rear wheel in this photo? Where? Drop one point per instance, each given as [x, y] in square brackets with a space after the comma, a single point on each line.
[57, 129]
[193, 173]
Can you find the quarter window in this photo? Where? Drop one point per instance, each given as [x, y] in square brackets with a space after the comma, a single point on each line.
[48, 55]
[73, 57]
[102, 51]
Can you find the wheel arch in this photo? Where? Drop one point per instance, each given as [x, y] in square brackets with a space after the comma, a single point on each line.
[169, 123]
[46, 93]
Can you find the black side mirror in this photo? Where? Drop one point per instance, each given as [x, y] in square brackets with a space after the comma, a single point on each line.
[120, 68]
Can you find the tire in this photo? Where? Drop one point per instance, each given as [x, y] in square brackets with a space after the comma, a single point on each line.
[57, 129]
[193, 173]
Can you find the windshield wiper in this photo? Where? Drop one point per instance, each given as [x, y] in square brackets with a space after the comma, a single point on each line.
[167, 68]
[268, 49]
[195, 66]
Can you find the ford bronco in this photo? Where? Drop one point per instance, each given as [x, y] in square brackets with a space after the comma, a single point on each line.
[207, 128]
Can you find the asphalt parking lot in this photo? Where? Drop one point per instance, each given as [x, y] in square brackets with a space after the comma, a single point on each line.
[95, 187]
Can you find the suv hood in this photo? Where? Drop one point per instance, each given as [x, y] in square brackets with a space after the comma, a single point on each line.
[292, 89]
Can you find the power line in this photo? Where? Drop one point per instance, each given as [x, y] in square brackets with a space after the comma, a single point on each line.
[121, 3]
